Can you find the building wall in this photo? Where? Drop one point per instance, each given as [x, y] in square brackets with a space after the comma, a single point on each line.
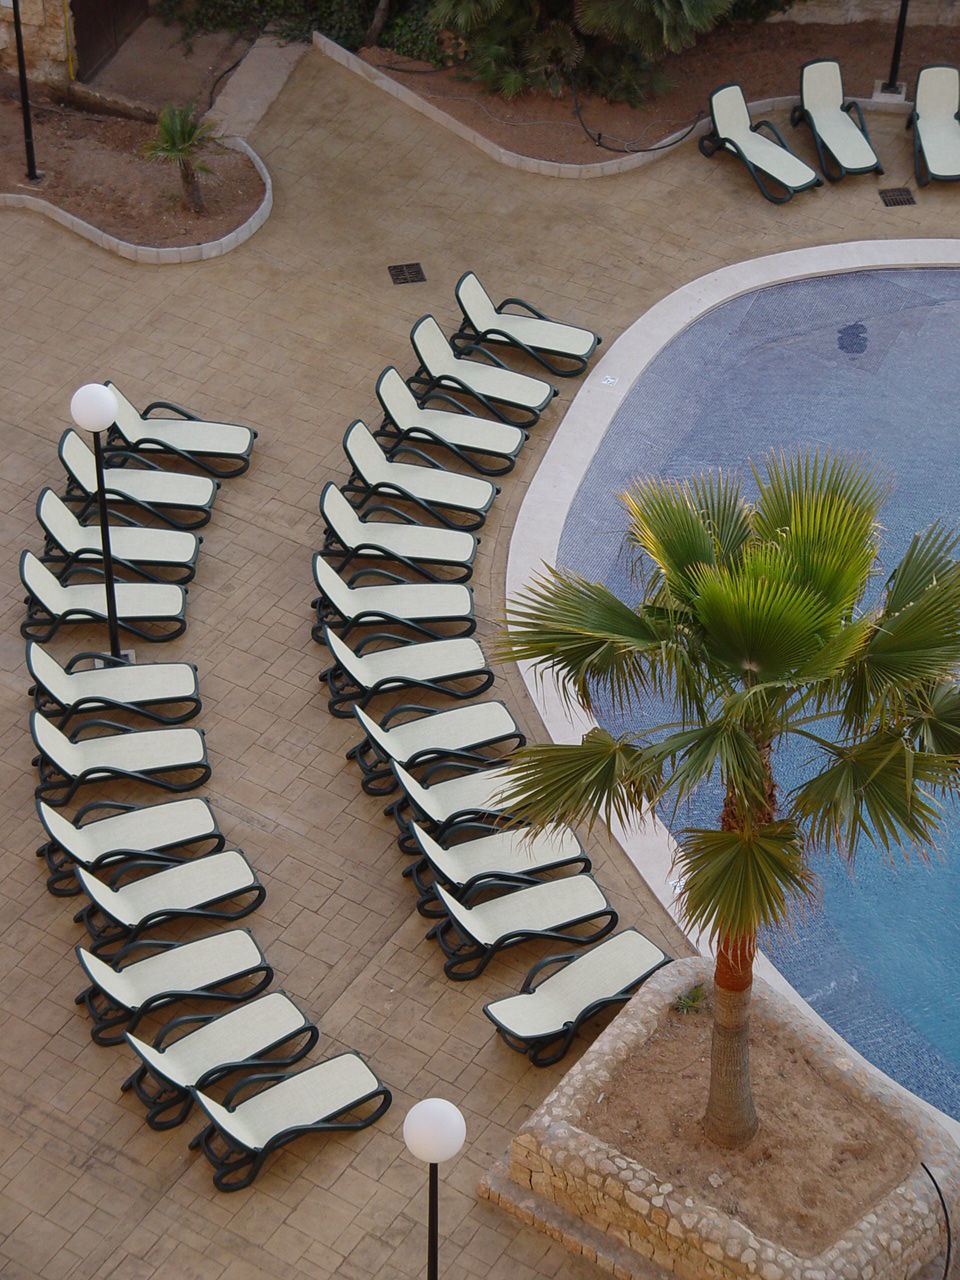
[44, 39]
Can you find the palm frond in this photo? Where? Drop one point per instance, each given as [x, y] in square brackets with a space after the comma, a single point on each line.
[664, 522]
[934, 719]
[928, 559]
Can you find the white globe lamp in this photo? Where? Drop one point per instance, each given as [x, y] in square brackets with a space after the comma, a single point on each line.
[94, 408]
[434, 1131]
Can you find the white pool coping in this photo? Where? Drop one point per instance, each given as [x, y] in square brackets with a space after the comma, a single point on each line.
[535, 540]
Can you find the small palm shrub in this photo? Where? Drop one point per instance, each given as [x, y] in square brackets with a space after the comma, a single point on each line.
[180, 139]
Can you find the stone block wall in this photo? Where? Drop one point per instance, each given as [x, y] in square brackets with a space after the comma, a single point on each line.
[44, 39]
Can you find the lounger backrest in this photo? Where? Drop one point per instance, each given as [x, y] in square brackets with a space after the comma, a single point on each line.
[54, 744]
[78, 460]
[189, 966]
[332, 585]
[938, 92]
[60, 829]
[419, 795]
[729, 110]
[475, 303]
[821, 86]
[340, 516]
[128, 416]
[62, 525]
[432, 348]
[364, 454]
[42, 584]
[48, 672]
[344, 655]
[397, 399]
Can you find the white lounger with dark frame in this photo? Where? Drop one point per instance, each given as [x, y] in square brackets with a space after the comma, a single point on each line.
[465, 798]
[184, 436]
[141, 687]
[531, 331]
[417, 606]
[843, 144]
[935, 121]
[734, 133]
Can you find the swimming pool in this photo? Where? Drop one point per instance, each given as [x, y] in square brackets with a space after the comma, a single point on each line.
[866, 361]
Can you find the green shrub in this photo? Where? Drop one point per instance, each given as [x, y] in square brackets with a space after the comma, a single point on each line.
[412, 32]
[342, 20]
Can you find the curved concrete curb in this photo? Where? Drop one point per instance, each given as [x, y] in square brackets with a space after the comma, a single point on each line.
[535, 540]
[531, 164]
[150, 253]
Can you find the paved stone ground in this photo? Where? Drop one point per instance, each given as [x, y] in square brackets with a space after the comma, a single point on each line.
[288, 333]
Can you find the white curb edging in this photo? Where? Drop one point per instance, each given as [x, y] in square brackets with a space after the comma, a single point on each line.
[535, 539]
[151, 254]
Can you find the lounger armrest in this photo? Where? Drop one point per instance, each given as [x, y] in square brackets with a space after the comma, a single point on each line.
[94, 570]
[174, 408]
[162, 446]
[477, 348]
[107, 806]
[135, 862]
[378, 575]
[514, 342]
[107, 659]
[772, 128]
[168, 997]
[421, 711]
[445, 767]
[851, 107]
[131, 455]
[112, 725]
[381, 635]
[402, 446]
[175, 1024]
[546, 963]
[429, 396]
[142, 944]
[384, 508]
[259, 1078]
[520, 302]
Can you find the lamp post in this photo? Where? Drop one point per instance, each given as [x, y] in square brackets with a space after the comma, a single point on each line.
[434, 1130]
[94, 410]
[892, 80]
[24, 97]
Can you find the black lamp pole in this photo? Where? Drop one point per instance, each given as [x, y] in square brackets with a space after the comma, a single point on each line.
[432, 1225]
[893, 79]
[24, 97]
[109, 586]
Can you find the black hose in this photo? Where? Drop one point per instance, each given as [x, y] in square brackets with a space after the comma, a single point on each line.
[233, 66]
[628, 150]
[946, 1215]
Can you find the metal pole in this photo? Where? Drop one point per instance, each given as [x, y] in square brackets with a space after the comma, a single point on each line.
[109, 586]
[24, 98]
[893, 78]
[432, 1219]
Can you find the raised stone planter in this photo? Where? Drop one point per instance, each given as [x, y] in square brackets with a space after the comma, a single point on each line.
[603, 1204]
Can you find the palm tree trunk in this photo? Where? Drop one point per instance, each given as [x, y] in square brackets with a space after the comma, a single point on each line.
[377, 23]
[191, 187]
[731, 1118]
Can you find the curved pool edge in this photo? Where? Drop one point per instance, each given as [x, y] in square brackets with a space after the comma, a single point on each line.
[535, 539]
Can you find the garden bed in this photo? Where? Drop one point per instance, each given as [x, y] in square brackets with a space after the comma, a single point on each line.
[94, 169]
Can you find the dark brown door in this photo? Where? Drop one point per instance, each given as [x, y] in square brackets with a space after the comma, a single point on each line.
[99, 29]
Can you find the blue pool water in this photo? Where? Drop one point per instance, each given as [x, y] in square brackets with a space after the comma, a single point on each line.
[867, 362]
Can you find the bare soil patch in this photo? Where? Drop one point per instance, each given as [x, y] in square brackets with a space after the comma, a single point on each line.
[93, 168]
[818, 1163]
[764, 58]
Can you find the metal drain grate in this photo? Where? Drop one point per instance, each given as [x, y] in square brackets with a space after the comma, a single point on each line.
[897, 195]
[407, 273]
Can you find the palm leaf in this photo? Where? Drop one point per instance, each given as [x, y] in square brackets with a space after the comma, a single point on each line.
[934, 723]
[929, 558]
[664, 522]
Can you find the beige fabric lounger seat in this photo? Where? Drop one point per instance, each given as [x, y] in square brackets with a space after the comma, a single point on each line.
[150, 610]
[843, 145]
[544, 1018]
[470, 936]
[515, 854]
[211, 1046]
[415, 546]
[141, 687]
[935, 120]
[530, 331]
[734, 133]
[389, 599]
[467, 798]
[242, 1133]
[467, 437]
[432, 489]
[455, 668]
[133, 546]
[488, 381]
[141, 483]
[460, 734]
[164, 833]
[175, 759]
[185, 436]
[227, 966]
[201, 889]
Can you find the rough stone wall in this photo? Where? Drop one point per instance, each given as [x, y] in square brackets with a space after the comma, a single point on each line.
[44, 39]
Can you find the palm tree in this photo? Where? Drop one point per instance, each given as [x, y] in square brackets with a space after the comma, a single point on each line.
[180, 138]
[752, 624]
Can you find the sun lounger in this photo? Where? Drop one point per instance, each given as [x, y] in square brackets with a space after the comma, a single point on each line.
[140, 687]
[840, 141]
[150, 610]
[357, 675]
[490, 383]
[935, 121]
[461, 734]
[212, 1046]
[175, 759]
[184, 436]
[432, 489]
[533, 333]
[470, 936]
[421, 607]
[733, 132]
[444, 805]
[415, 546]
[515, 854]
[165, 833]
[319, 1099]
[199, 889]
[140, 483]
[544, 1018]
[468, 438]
[133, 547]
[226, 966]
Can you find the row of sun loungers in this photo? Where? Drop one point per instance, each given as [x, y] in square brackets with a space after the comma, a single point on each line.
[142, 868]
[484, 885]
[842, 142]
